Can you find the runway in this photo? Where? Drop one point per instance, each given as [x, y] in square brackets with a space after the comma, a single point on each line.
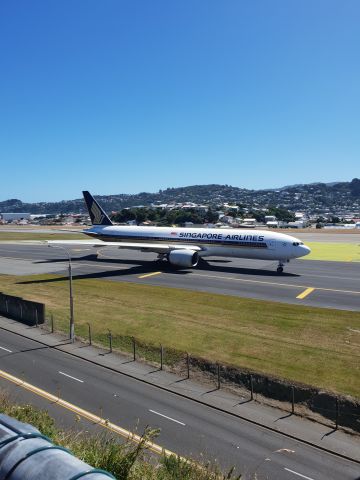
[350, 236]
[304, 282]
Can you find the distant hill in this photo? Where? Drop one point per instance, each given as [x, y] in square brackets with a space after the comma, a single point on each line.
[314, 197]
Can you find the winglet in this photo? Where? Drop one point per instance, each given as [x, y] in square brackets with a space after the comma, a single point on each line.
[97, 214]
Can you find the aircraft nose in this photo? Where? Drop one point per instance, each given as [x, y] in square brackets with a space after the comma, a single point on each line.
[305, 250]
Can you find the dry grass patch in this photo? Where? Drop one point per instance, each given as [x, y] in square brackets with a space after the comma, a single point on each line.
[18, 236]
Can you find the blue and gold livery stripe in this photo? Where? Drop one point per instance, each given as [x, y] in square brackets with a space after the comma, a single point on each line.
[171, 240]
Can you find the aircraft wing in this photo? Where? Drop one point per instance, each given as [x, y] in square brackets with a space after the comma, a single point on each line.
[148, 247]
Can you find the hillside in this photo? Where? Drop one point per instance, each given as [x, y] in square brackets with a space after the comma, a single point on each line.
[313, 198]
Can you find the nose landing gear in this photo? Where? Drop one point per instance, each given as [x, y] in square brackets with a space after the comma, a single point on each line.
[280, 267]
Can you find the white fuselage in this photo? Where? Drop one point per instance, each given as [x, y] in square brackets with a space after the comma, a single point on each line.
[257, 244]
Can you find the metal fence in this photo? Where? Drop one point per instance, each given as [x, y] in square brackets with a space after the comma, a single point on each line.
[250, 386]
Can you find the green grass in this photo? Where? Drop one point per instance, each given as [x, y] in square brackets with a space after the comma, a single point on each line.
[126, 461]
[339, 252]
[314, 346]
[15, 236]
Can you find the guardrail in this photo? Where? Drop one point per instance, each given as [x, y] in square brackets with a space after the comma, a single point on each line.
[25, 311]
[26, 453]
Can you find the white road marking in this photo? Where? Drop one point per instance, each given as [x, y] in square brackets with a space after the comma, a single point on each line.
[63, 265]
[74, 378]
[332, 276]
[169, 418]
[298, 474]
[21, 258]
[79, 265]
[274, 284]
[6, 349]
[100, 266]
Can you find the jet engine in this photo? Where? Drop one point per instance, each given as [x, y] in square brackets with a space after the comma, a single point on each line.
[183, 258]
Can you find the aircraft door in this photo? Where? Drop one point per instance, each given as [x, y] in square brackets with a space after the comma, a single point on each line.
[271, 244]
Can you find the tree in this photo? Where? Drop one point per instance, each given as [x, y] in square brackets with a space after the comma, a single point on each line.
[124, 216]
[211, 216]
[141, 215]
[259, 216]
[188, 216]
[282, 214]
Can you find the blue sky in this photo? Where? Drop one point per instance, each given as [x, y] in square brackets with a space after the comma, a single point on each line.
[123, 96]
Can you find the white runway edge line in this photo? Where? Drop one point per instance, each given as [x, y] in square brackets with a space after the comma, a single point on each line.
[73, 378]
[169, 418]
[298, 474]
[6, 349]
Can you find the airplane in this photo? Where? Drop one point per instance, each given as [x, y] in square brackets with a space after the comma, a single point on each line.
[184, 247]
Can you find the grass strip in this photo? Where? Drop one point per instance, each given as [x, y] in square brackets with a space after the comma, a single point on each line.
[338, 252]
[315, 346]
[15, 236]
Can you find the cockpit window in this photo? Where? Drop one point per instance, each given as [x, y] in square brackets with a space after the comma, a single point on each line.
[296, 244]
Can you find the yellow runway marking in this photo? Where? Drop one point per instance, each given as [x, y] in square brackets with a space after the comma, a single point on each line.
[102, 422]
[305, 293]
[149, 274]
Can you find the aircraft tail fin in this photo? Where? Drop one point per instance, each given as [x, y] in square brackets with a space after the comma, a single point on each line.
[97, 214]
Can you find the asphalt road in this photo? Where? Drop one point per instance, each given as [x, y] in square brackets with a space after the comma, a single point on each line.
[349, 236]
[186, 427]
[305, 282]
